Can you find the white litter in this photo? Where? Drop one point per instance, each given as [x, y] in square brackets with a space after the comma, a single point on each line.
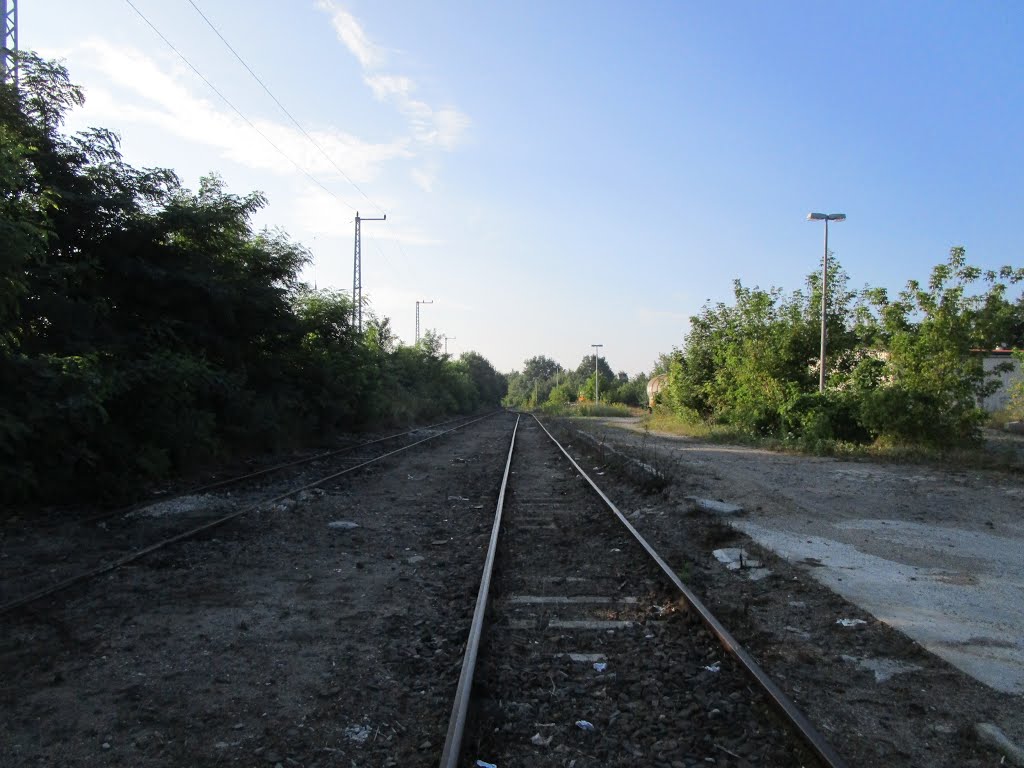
[850, 622]
[358, 733]
[346, 525]
[716, 667]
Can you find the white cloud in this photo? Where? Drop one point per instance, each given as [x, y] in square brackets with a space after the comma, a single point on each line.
[430, 127]
[451, 124]
[424, 179]
[156, 96]
[352, 35]
[385, 86]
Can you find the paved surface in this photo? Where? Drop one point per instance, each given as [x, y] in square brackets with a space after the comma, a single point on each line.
[936, 554]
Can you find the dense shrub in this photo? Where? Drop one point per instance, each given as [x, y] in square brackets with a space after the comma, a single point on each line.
[145, 328]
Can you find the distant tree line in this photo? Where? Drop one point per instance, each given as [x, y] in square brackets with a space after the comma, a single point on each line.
[145, 328]
[544, 382]
[901, 370]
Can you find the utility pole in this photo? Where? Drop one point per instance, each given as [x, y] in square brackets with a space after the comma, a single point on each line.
[9, 49]
[597, 379]
[421, 301]
[357, 275]
[446, 344]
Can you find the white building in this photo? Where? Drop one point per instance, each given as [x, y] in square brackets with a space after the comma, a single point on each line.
[1001, 397]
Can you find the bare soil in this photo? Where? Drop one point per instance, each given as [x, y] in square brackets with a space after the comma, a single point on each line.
[925, 713]
[282, 640]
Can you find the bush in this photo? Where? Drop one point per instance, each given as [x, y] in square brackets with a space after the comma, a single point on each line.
[901, 415]
[817, 417]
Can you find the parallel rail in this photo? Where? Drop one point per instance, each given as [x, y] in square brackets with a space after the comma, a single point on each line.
[813, 739]
[119, 562]
[237, 479]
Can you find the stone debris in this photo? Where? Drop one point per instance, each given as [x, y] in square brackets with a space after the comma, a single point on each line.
[718, 507]
[737, 559]
[183, 505]
[540, 741]
[342, 525]
[883, 669]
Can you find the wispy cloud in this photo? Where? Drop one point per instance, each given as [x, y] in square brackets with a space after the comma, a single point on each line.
[442, 127]
[134, 87]
[352, 35]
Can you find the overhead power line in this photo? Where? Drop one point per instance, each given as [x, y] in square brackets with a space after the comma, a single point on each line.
[298, 125]
[237, 111]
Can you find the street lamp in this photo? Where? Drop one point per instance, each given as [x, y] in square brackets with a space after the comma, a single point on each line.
[597, 380]
[826, 217]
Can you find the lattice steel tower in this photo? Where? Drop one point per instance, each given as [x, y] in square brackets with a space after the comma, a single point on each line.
[357, 275]
[422, 301]
[9, 50]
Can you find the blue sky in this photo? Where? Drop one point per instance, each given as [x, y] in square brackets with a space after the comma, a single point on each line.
[562, 174]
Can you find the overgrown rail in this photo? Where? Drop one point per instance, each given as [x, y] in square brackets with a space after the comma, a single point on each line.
[207, 525]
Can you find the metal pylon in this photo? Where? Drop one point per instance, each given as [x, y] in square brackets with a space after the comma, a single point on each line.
[357, 275]
[9, 49]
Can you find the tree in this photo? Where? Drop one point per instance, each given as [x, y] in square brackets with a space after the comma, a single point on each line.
[932, 381]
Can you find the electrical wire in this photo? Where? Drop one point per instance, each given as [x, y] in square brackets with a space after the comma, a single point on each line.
[281, 106]
[237, 111]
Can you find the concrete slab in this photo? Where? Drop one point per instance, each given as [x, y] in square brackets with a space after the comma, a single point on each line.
[569, 600]
[588, 624]
[967, 615]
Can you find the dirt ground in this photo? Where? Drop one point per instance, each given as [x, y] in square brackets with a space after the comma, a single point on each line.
[855, 540]
[329, 632]
[326, 634]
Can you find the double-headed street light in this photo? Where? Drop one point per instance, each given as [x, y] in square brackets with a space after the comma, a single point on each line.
[826, 217]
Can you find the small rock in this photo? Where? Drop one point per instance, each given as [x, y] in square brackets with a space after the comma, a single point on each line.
[344, 525]
[105, 745]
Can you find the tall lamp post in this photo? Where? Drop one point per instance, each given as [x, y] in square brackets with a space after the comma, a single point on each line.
[826, 217]
[597, 380]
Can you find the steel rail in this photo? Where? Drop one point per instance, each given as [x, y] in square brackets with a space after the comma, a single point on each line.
[811, 736]
[132, 557]
[457, 722]
[248, 476]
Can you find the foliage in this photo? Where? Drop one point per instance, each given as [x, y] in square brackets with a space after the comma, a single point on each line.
[145, 327]
[902, 371]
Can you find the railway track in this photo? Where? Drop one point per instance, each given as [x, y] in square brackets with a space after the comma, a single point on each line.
[586, 649]
[96, 544]
[332, 633]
